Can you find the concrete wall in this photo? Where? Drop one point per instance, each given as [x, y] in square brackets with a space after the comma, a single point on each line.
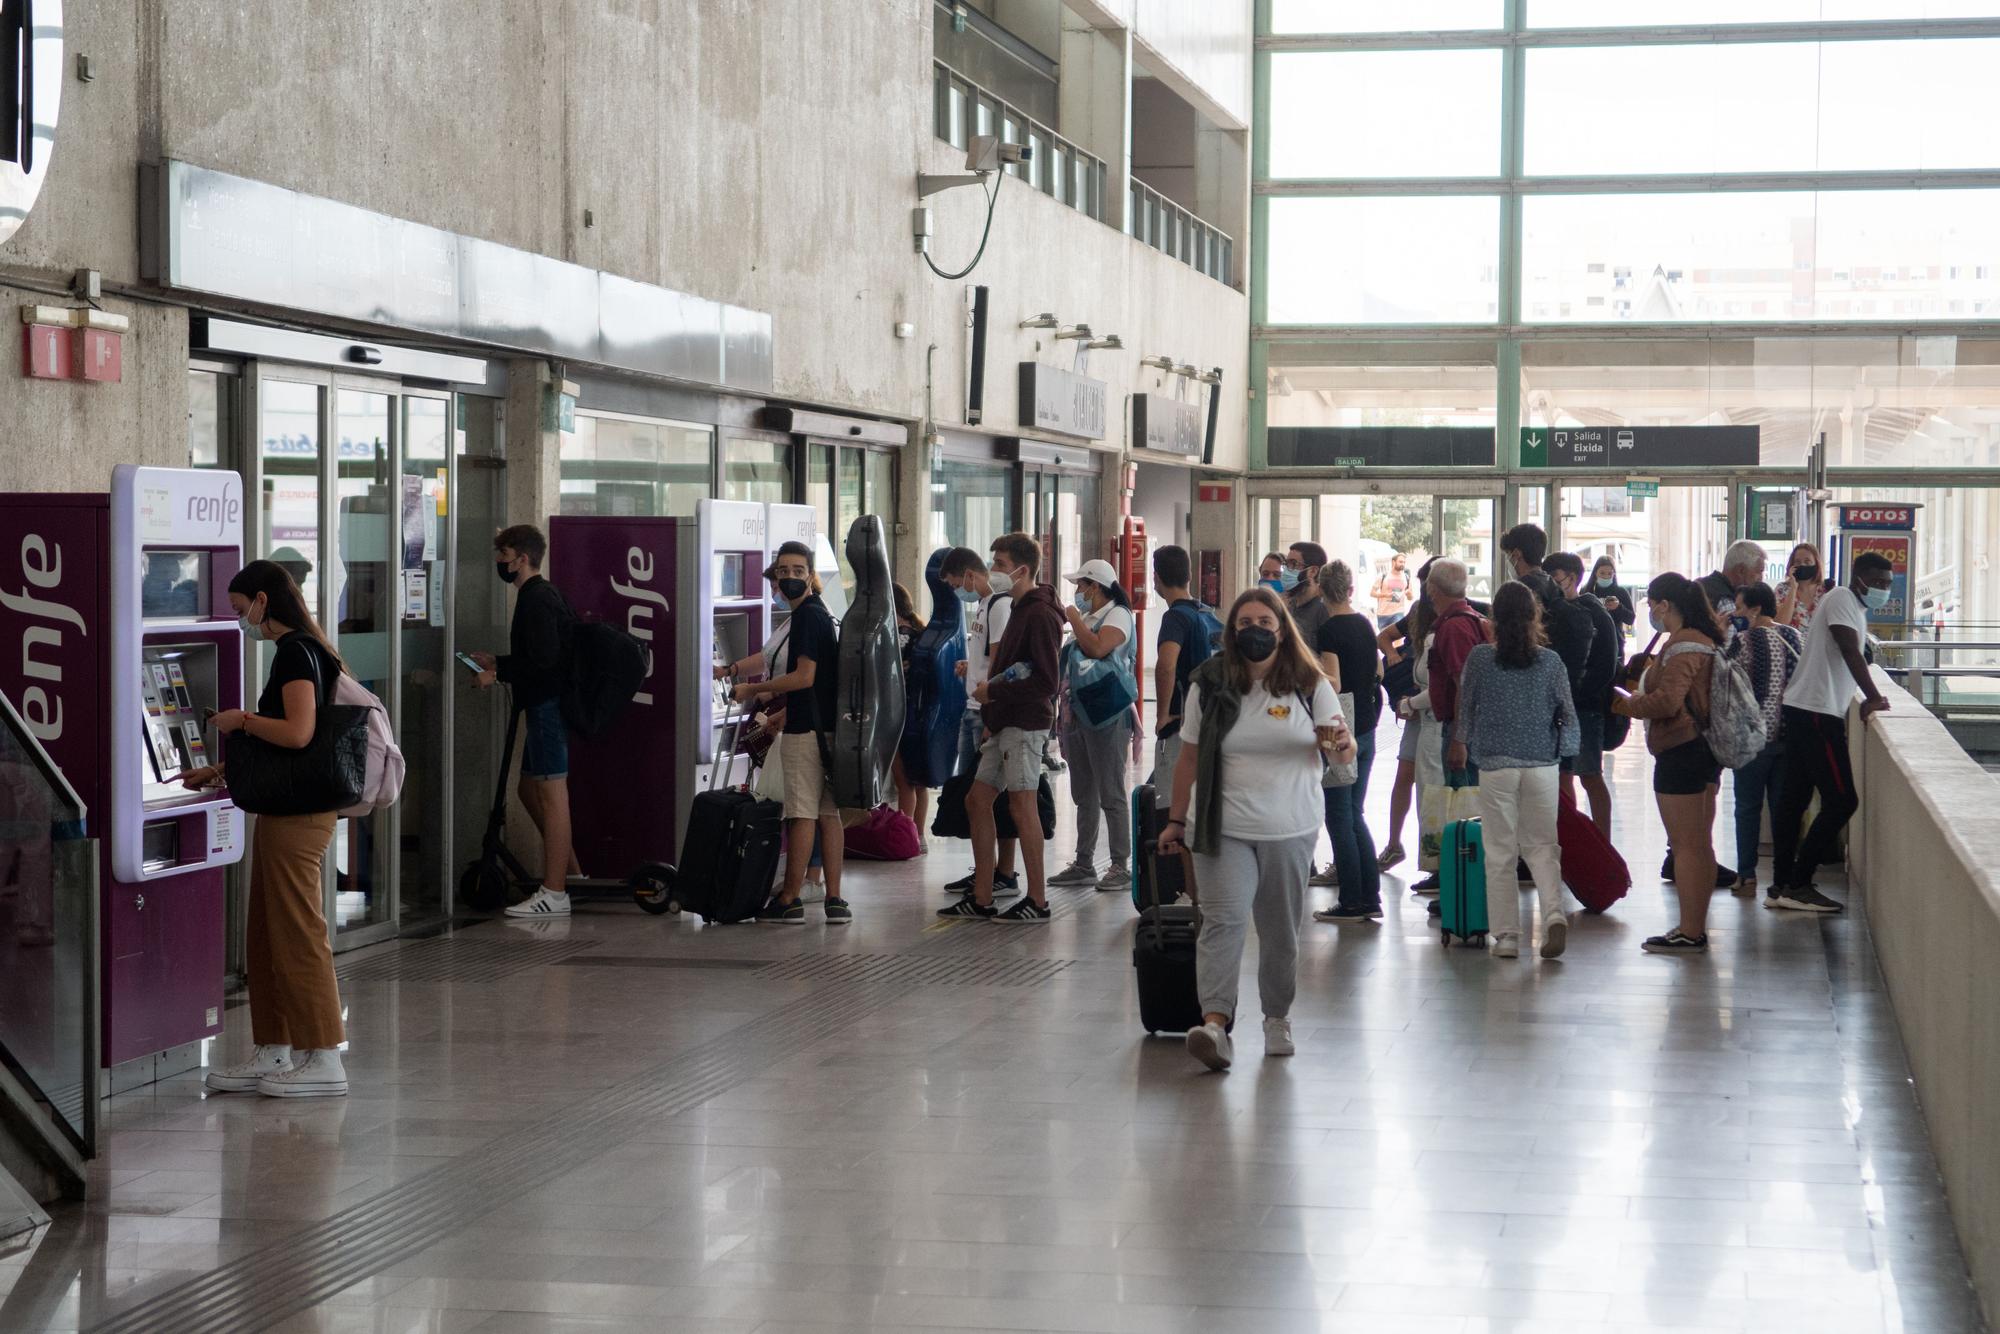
[1926, 849]
[756, 153]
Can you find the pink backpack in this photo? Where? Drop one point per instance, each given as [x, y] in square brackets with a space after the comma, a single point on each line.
[887, 835]
[385, 758]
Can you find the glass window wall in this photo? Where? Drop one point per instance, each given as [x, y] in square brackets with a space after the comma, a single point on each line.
[757, 470]
[1375, 16]
[1649, 13]
[1384, 260]
[1449, 131]
[627, 465]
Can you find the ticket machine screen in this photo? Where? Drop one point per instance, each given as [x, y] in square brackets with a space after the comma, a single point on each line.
[174, 585]
[177, 688]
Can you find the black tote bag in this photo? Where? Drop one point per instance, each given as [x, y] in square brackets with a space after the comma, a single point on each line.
[328, 773]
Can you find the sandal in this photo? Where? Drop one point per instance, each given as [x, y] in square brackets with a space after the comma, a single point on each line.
[1391, 856]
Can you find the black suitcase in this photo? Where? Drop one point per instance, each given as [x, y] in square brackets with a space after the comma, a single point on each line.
[1163, 940]
[1163, 957]
[730, 855]
[1155, 879]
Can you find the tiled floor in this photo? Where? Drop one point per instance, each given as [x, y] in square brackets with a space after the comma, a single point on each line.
[613, 1140]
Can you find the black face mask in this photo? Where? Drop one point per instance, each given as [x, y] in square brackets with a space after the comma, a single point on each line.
[507, 576]
[1805, 574]
[793, 589]
[1256, 643]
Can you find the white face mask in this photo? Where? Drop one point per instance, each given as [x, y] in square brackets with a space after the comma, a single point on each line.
[1002, 582]
[250, 631]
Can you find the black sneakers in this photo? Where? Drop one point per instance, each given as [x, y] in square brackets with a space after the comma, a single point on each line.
[838, 913]
[1674, 942]
[1338, 915]
[1027, 910]
[778, 912]
[1802, 898]
[1004, 882]
[1724, 877]
[969, 907]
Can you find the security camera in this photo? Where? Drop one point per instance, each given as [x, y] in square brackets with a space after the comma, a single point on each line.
[986, 153]
[1016, 152]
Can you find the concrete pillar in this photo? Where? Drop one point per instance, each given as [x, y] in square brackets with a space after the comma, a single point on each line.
[534, 452]
[1096, 102]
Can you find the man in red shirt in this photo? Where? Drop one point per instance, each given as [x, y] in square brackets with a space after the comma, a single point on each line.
[1459, 629]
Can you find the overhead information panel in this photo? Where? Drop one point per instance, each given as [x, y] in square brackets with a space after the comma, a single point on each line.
[1624, 447]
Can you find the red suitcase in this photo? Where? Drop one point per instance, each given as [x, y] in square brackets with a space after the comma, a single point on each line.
[1593, 869]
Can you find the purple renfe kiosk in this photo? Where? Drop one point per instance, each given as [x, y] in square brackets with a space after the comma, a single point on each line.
[693, 591]
[116, 607]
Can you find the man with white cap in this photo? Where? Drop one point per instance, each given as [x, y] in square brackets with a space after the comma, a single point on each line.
[1097, 738]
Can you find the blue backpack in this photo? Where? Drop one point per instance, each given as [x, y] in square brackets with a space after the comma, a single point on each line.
[1203, 645]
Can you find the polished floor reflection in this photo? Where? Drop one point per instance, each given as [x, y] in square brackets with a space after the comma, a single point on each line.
[630, 1123]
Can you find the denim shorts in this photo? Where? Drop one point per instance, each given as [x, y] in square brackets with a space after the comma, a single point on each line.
[1589, 759]
[1686, 770]
[545, 754]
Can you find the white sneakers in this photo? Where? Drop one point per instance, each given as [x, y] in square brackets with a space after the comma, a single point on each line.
[1555, 935]
[1506, 944]
[544, 902]
[316, 1074]
[267, 1060]
[1210, 1045]
[277, 1072]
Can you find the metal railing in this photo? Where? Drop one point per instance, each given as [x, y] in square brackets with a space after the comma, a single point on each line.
[1166, 226]
[1920, 667]
[48, 957]
[961, 109]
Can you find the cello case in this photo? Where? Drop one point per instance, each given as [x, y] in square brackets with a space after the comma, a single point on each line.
[869, 726]
[936, 695]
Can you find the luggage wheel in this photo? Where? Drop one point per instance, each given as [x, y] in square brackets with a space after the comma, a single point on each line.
[652, 887]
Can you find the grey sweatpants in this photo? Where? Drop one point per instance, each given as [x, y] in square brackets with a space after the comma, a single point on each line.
[1097, 759]
[1241, 881]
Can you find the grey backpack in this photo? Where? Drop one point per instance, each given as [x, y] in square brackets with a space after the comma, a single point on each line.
[1734, 728]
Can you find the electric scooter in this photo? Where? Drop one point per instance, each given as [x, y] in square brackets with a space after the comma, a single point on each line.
[498, 876]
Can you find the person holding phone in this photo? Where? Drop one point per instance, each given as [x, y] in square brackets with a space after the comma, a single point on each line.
[1617, 598]
[1260, 719]
[295, 1013]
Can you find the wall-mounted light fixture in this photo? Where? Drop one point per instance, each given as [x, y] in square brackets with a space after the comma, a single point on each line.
[1162, 363]
[1081, 331]
[1045, 320]
[1112, 341]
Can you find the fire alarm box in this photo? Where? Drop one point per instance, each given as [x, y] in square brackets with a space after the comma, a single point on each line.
[1129, 559]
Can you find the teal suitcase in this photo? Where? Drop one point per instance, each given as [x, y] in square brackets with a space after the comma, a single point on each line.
[1462, 883]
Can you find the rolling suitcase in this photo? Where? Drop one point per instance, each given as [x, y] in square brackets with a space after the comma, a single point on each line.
[1594, 870]
[1163, 940]
[1462, 883]
[729, 856]
[1155, 879]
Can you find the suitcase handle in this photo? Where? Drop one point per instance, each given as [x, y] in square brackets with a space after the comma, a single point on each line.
[726, 759]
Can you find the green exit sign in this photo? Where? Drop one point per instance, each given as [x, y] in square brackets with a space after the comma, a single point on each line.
[1642, 488]
[1345, 462]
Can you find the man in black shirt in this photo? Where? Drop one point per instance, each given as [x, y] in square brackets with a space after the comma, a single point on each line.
[810, 685]
[1186, 640]
[537, 667]
[1592, 688]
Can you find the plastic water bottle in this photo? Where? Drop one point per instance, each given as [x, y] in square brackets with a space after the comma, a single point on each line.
[1020, 671]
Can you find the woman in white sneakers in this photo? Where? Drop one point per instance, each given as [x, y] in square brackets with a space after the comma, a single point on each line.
[295, 1016]
[1259, 721]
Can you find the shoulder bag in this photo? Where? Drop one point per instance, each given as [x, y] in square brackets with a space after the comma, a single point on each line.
[328, 773]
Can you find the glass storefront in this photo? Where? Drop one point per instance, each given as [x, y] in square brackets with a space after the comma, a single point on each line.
[972, 503]
[756, 470]
[631, 465]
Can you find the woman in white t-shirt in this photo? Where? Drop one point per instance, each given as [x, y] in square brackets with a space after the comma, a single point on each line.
[1259, 721]
[1097, 748]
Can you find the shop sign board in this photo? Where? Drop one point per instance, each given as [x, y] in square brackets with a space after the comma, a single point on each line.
[1062, 401]
[1879, 518]
[1615, 447]
[1167, 425]
[1895, 548]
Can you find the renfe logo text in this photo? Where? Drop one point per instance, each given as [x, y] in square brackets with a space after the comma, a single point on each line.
[41, 565]
[639, 615]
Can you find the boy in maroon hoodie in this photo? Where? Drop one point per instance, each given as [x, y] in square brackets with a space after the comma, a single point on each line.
[1018, 707]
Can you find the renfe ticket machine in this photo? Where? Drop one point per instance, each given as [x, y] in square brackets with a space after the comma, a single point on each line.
[116, 639]
[693, 591]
